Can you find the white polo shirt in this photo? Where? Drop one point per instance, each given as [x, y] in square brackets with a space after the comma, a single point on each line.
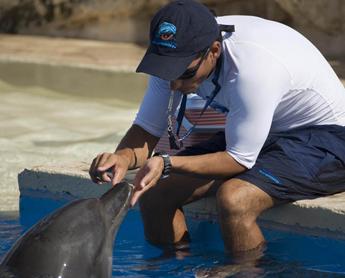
[272, 79]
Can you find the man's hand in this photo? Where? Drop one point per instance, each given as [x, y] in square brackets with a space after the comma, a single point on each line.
[147, 176]
[106, 165]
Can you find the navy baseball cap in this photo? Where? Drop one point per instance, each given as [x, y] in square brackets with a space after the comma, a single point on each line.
[178, 33]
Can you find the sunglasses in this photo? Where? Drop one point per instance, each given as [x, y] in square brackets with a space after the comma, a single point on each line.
[175, 141]
[191, 72]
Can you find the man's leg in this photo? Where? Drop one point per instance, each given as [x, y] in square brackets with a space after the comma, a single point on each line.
[163, 219]
[239, 204]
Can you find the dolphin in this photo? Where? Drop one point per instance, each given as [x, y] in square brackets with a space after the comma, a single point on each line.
[75, 241]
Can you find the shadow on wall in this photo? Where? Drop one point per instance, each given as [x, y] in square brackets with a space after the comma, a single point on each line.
[323, 22]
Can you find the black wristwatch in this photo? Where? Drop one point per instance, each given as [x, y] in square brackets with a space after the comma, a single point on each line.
[167, 164]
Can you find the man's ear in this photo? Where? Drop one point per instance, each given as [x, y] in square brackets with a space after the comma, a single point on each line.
[216, 49]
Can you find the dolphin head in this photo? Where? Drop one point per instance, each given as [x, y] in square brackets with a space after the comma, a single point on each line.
[75, 241]
[116, 204]
[114, 207]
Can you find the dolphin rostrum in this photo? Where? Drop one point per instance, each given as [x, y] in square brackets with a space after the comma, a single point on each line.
[75, 241]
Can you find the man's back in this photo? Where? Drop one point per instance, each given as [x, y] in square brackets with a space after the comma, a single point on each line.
[314, 94]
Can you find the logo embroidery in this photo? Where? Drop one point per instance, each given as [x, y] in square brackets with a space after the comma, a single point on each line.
[165, 35]
[269, 176]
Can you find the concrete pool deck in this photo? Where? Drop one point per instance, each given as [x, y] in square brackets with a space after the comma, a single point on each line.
[49, 88]
[105, 56]
[325, 215]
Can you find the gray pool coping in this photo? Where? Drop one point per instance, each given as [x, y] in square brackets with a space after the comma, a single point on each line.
[76, 53]
[322, 216]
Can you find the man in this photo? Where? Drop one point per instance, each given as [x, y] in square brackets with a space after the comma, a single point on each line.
[284, 137]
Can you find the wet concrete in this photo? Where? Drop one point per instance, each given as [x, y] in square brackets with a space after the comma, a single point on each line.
[41, 127]
[62, 101]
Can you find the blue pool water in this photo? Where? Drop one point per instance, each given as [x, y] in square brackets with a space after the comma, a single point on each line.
[287, 254]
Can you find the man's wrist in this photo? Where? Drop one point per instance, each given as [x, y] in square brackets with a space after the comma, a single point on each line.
[166, 164]
[126, 156]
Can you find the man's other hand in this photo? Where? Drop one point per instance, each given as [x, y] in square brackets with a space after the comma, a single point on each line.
[147, 176]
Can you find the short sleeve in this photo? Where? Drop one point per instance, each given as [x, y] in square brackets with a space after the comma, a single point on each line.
[153, 112]
[262, 80]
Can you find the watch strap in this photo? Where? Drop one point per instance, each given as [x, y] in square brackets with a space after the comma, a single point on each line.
[167, 164]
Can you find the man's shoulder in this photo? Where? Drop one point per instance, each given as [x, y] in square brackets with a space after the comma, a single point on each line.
[232, 19]
[256, 29]
[245, 22]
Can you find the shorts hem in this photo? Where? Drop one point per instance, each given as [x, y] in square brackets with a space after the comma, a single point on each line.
[268, 188]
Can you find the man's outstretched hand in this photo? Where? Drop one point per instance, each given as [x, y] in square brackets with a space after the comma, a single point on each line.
[108, 167]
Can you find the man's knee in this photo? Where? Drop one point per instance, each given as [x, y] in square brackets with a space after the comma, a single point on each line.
[231, 199]
[238, 199]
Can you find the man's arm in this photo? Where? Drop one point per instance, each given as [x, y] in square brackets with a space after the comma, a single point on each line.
[136, 146]
[132, 152]
[214, 165]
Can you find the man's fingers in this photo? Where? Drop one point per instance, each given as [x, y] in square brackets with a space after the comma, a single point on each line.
[106, 162]
[101, 174]
[103, 158]
[105, 177]
[118, 175]
[145, 181]
[138, 177]
[96, 171]
[108, 167]
[149, 179]
[93, 172]
[135, 197]
[139, 191]
[97, 159]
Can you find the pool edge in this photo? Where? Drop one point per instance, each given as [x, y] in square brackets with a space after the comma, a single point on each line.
[322, 216]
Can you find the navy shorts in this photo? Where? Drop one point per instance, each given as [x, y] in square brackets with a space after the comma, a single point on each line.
[302, 163]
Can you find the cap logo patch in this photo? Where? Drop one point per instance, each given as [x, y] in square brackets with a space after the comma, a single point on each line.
[165, 35]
